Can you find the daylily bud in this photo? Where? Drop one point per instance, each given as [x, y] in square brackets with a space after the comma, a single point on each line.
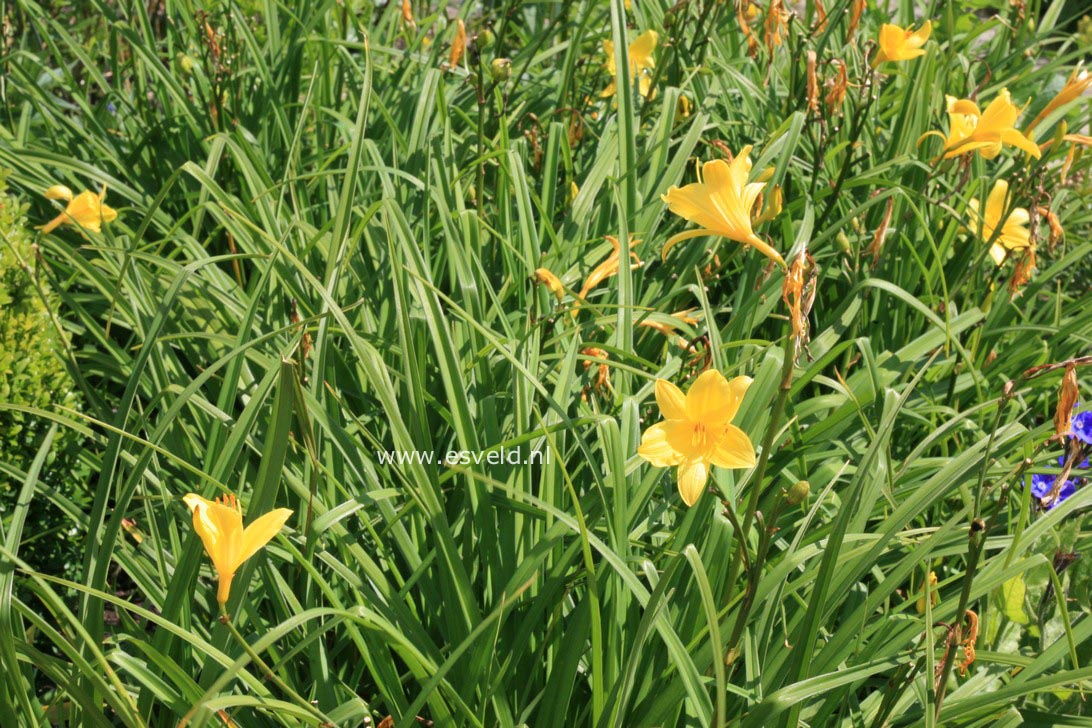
[58, 192]
[798, 493]
[185, 63]
[934, 596]
[485, 40]
[500, 69]
[843, 242]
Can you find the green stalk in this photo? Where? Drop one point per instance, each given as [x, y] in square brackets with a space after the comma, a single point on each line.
[267, 672]
[756, 493]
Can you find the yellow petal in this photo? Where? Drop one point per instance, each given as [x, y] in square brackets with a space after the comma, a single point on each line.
[220, 529]
[260, 531]
[734, 449]
[1015, 138]
[671, 400]
[656, 446]
[641, 50]
[692, 475]
[713, 399]
[995, 203]
[921, 35]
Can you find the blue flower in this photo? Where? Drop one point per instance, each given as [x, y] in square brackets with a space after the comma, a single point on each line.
[1082, 427]
[1041, 485]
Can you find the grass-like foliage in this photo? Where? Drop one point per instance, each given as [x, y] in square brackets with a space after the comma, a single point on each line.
[762, 365]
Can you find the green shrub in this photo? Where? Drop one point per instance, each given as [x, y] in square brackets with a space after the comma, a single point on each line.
[33, 375]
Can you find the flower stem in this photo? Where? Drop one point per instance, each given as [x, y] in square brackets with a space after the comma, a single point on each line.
[268, 674]
[756, 492]
[976, 542]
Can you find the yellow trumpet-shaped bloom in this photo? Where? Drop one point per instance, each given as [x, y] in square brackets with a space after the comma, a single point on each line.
[86, 210]
[985, 131]
[901, 44]
[641, 63]
[219, 523]
[1079, 81]
[697, 431]
[721, 202]
[1014, 233]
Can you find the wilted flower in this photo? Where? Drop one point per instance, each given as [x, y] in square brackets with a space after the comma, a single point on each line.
[898, 44]
[968, 642]
[609, 267]
[458, 44]
[553, 284]
[602, 379]
[697, 431]
[407, 14]
[219, 523]
[669, 329]
[970, 130]
[1014, 233]
[813, 84]
[641, 63]
[836, 88]
[721, 202]
[745, 13]
[1068, 392]
[856, 8]
[820, 16]
[1057, 232]
[798, 293]
[1079, 81]
[1021, 272]
[86, 210]
[776, 24]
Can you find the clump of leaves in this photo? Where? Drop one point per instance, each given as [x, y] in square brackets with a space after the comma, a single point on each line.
[33, 376]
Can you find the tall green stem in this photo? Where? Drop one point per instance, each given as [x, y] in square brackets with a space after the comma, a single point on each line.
[268, 674]
[756, 486]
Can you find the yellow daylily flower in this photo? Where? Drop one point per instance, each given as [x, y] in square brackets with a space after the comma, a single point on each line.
[721, 202]
[899, 44]
[641, 63]
[985, 131]
[1014, 233]
[1079, 81]
[697, 431]
[86, 210]
[219, 523]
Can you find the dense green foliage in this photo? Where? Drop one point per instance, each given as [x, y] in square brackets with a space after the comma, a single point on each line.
[33, 377]
[326, 251]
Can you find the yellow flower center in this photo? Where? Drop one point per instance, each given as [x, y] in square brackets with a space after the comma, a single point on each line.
[700, 438]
